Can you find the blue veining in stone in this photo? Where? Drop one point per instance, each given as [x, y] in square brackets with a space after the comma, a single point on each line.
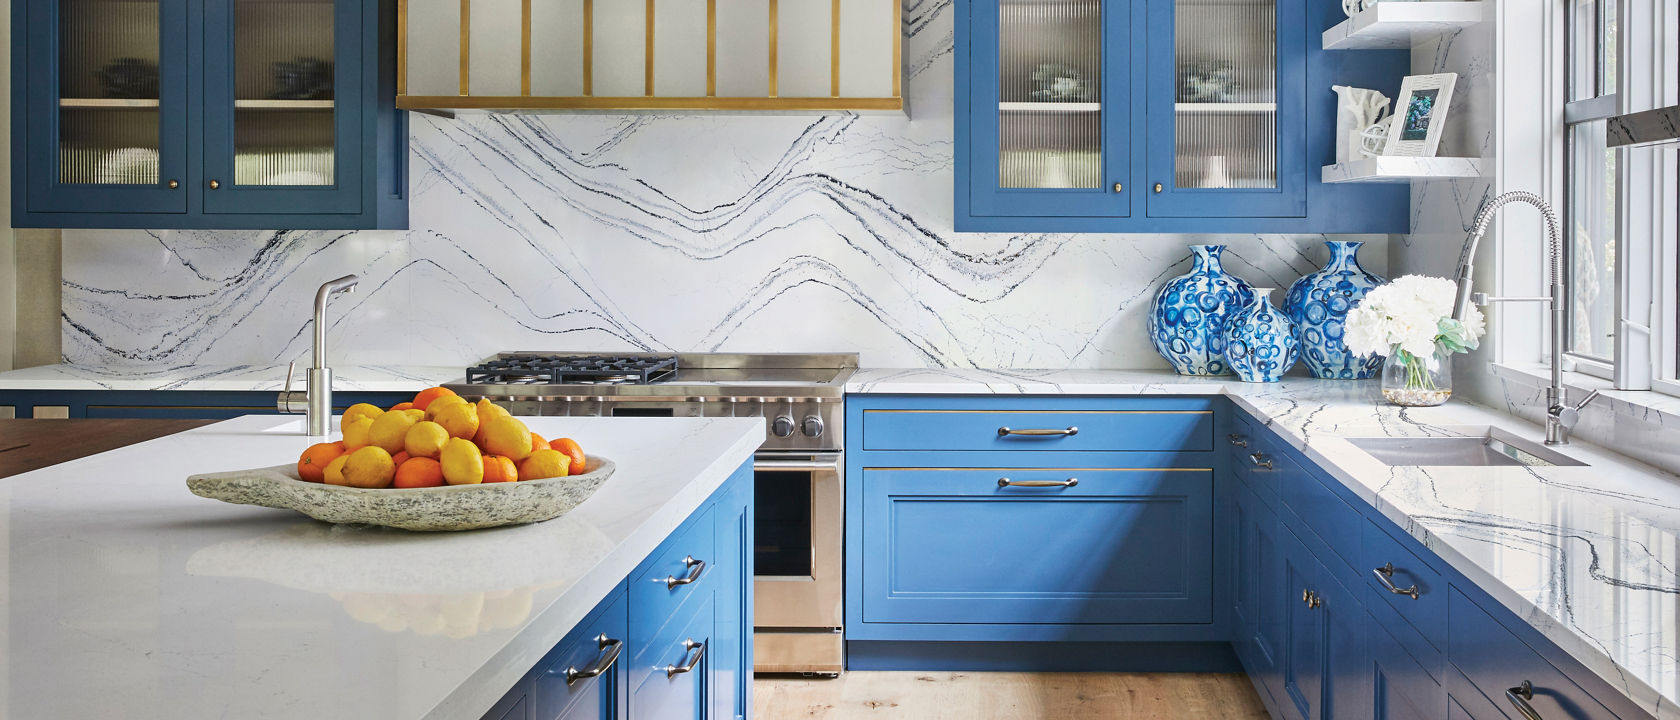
[1318, 304]
[1188, 322]
[1260, 342]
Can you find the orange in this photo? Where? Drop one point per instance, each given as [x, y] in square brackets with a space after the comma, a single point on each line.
[425, 439]
[499, 469]
[356, 432]
[509, 437]
[333, 473]
[314, 460]
[400, 458]
[390, 430]
[369, 467]
[402, 406]
[538, 443]
[572, 451]
[418, 472]
[544, 463]
[462, 463]
[425, 398]
[459, 419]
[359, 410]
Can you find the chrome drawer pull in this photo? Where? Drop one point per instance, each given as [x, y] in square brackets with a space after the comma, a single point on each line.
[1006, 482]
[610, 649]
[1385, 576]
[1260, 460]
[1038, 432]
[1236, 440]
[1519, 697]
[695, 567]
[699, 650]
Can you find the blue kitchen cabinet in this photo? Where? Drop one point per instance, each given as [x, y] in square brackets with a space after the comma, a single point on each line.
[226, 114]
[1158, 116]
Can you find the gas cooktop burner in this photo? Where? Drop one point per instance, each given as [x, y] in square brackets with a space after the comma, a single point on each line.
[571, 370]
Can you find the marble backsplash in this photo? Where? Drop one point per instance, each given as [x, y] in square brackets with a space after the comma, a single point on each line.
[684, 233]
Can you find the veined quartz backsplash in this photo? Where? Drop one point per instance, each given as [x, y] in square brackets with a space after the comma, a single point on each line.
[662, 232]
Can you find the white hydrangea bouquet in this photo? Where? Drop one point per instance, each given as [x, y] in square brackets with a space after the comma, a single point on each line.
[1409, 321]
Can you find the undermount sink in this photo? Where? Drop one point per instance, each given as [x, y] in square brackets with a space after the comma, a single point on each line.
[1491, 448]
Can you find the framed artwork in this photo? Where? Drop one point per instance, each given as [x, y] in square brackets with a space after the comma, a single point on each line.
[1419, 115]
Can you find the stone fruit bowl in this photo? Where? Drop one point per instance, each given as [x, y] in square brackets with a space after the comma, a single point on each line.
[451, 507]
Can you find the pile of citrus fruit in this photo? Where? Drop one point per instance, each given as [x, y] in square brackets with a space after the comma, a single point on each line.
[438, 439]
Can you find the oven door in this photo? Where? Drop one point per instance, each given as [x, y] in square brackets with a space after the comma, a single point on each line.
[797, 544]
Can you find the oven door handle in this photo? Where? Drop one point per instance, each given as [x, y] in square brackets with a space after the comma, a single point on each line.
[829, 462]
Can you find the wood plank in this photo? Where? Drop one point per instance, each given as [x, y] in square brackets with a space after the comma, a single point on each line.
[1011, 696]
[30, 444]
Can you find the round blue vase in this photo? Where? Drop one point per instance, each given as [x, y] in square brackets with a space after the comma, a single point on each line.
[1188, 321]
[1260, 340]
[1318, 304]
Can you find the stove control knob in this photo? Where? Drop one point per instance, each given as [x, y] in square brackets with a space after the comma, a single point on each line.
[782, 426]
[812, 427]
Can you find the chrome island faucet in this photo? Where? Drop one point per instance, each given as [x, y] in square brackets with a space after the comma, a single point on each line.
[316, 399]
[1560, 416]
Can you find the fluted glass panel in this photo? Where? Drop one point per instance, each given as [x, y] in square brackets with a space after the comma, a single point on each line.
[283, 92]
[1226, 120]
[108, 92]
[1049, 94]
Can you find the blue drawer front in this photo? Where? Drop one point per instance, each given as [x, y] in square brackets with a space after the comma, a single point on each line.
[1403, 689]
[653, 600]
[1120, 547]
[1320, 509]
[1494, 659]
[1425, 616]
[660, 695]
[581, 651]
[1097, 430]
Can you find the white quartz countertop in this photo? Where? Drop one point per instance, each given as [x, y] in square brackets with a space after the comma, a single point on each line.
[1588, 555]
[124, 595]
[397, 378]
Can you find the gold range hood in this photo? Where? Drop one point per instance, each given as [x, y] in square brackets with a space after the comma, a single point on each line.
[641, 55]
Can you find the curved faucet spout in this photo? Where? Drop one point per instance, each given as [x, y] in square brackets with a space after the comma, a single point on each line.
[328, 289]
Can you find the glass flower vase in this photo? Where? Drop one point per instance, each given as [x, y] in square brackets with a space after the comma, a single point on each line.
[1408, 381]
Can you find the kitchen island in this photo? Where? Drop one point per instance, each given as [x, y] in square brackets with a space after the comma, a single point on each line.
[127, 596]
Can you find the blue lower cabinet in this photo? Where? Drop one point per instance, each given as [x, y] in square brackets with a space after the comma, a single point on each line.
[1257, 592]
[583, 679]
[1325, 669]
[1304, 651]
[1037, 546]
[1401, 689]
[1504, 669]
[1464, 702]
[672, 682]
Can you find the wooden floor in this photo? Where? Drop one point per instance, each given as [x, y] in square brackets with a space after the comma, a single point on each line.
[1008, 696]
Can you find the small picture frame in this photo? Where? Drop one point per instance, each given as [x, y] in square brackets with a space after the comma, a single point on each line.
[1419, 115]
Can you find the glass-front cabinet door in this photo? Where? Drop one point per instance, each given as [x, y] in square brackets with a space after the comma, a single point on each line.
[1227, 121]
[107, 103]
[282, 112]
[1049, 116]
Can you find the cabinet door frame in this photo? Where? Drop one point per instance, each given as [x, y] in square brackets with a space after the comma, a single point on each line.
[977, 124]
[345, 195]
[38, 148]
[1289, 198]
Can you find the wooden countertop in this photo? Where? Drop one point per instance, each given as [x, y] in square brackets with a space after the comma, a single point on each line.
[34, 444]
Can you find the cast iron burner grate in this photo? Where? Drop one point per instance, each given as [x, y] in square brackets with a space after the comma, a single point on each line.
[571, 370]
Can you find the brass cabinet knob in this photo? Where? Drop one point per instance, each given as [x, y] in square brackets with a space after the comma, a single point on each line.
[174, 184]
[215, 184]
[1118, 187]
[1158, 188]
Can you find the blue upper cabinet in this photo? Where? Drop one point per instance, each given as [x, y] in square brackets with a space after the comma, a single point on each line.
[160, 114]
[1159, 116]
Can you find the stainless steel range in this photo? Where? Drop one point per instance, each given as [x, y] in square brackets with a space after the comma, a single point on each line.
[798, 471]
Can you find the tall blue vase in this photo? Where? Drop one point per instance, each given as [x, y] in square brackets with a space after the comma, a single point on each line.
[1188, 321]
[1260, 341]
[1318, 304]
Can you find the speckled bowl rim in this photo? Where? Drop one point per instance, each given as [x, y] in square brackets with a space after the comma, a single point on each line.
[602, 469]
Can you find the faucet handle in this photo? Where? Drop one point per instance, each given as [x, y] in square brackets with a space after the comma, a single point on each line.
[1568, 415]
[291, 402]
[290, 368]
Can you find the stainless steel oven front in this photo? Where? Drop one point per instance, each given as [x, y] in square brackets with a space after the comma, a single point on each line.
[798, 552]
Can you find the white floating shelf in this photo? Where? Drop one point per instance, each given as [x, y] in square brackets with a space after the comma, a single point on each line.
[1050, 107]
[107, 103]
[1395, 25]
[1403, 169]
[1233, 107]
[283, 104]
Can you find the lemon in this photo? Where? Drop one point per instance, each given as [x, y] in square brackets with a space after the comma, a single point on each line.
[545, 463]
[462, 463]
[333, 473]
[508, 437]
[425, 439]
[369, 467]
[389, 430]
[356, 432]
[359, 410]
[460, 419]
[443, 402]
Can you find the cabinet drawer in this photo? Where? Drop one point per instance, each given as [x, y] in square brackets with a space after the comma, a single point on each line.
[1081, 430]
[1403, 689]
[1118, 547]
[1424, 608]
[596, 644]
[670, 680]
[1321, 510]
[1493, 660]
[658, 590]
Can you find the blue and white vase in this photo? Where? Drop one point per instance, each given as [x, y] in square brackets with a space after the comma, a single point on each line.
[1260, 340]
[1318, 304]
[1188, 321]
